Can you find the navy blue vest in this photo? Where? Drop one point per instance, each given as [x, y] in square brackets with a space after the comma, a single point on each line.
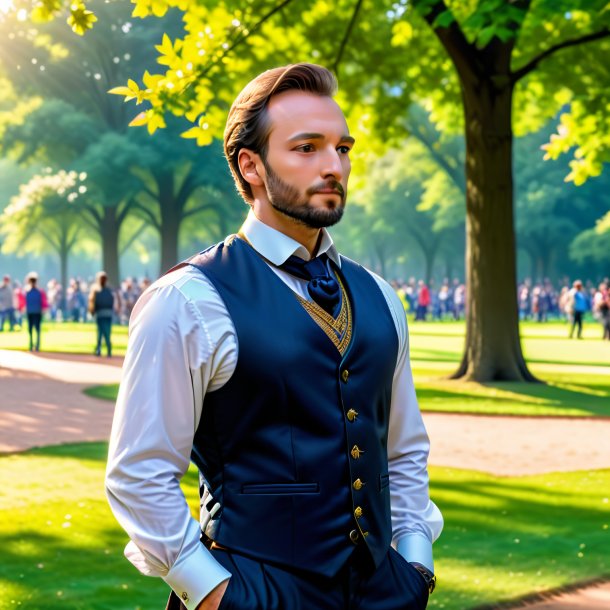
[294, 446]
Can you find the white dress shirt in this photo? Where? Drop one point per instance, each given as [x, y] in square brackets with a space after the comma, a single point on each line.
[182, 345]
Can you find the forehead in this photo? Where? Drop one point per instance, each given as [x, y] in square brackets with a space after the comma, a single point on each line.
[293, 111]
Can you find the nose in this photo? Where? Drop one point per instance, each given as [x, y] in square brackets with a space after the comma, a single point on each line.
[331, 166]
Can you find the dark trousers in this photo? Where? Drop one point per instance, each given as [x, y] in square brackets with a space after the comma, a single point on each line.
[104, 326]
[394, 585]
[421, 312]
[34, 325]
[7, 314]
[577, 323]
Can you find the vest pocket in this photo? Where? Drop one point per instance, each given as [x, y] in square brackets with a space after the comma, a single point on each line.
[280, 489]
[384, 481]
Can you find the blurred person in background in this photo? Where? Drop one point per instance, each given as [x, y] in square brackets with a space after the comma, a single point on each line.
[35, 304]
[101, 307]
[577, 307]
[7, 310]
[601, 308]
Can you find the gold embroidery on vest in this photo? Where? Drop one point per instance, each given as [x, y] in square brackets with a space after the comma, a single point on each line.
[338, 330]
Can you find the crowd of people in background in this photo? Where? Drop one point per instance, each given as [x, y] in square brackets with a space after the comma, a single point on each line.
[540, 301]
[29, 302]
[70, 305]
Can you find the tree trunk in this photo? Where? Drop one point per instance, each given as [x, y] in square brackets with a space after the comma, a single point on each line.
[449, 268]
[381, 258]
[429, 256]
[63, 275]
[171, 217]
[109, 230]
[493, 349]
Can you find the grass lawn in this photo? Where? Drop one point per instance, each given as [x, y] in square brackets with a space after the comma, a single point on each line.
[105, 392]
[66, 337]
[577, 373]
[504, 537]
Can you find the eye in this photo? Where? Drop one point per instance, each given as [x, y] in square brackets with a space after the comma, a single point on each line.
[306, 148]
[344, 150]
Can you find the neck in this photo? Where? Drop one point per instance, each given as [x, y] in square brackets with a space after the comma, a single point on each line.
[308, 237]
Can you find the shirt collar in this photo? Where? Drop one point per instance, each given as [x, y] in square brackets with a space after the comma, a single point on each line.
[277, 247]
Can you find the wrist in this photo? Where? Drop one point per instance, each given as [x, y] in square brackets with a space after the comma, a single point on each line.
[426, 574]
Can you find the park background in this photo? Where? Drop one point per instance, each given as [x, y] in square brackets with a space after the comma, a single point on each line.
[482, 137]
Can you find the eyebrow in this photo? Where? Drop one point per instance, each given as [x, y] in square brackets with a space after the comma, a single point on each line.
[318, 136]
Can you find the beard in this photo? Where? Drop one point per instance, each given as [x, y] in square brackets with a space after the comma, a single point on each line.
[287, 200]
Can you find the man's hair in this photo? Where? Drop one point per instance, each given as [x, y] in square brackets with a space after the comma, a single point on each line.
[102, 278]
[248, 123]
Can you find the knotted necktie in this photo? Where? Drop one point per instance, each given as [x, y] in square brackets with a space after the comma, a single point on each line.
[322, 287]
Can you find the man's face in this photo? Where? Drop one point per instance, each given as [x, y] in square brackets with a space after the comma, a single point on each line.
[307, 163]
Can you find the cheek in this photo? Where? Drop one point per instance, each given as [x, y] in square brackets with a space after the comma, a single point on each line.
[347, 168]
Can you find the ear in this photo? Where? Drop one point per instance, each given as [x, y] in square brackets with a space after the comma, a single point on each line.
[250, 166]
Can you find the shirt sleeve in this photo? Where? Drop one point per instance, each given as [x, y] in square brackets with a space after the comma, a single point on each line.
[416, 520]
[180, 345]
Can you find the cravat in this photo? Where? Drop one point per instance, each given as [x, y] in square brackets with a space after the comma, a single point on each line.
[322, 287]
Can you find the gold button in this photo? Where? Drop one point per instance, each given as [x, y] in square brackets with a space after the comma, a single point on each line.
[356, 452]
[345, 375]
[354, 536]
[358, 512]
[185, 596]
[365, 534]
[357, 484]
[351, 415]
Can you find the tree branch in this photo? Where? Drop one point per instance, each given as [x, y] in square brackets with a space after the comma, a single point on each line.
[189, 185]
[216, 60]
[455, 174]
[346, 36]
[150, 192]
[147, 214]
[91, 216]
[136, 234]
[199, 208]
[123, 211]
[460, 51]
[531, 65]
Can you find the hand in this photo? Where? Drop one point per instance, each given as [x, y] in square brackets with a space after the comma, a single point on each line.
[212, 600]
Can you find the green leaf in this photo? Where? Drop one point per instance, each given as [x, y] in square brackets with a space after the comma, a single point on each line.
[485, 36]
[443, 20]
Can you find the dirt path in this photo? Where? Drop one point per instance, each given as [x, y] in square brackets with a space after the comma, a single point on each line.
[42, 400]
[42, 403]
[513, 446]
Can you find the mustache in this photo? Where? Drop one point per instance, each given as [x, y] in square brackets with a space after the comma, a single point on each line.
[331, 184]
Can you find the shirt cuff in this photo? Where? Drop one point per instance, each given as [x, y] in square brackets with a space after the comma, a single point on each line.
[195, 576]
[416, 547]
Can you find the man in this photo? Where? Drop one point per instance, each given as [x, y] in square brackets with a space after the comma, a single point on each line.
[7, 311]
[35, 304]
[289, 387]
[577, 307]
[101, 305]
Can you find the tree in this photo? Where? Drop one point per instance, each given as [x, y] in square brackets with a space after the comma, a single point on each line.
[467, 64]
[180, 181]
[109, 165]
[395, 199]
[42, 217]
[594, 244]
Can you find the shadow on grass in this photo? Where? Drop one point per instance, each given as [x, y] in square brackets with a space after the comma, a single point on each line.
[46, 571]
[553, 394]
[503, 537]
[553, 398]
[518, 535]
